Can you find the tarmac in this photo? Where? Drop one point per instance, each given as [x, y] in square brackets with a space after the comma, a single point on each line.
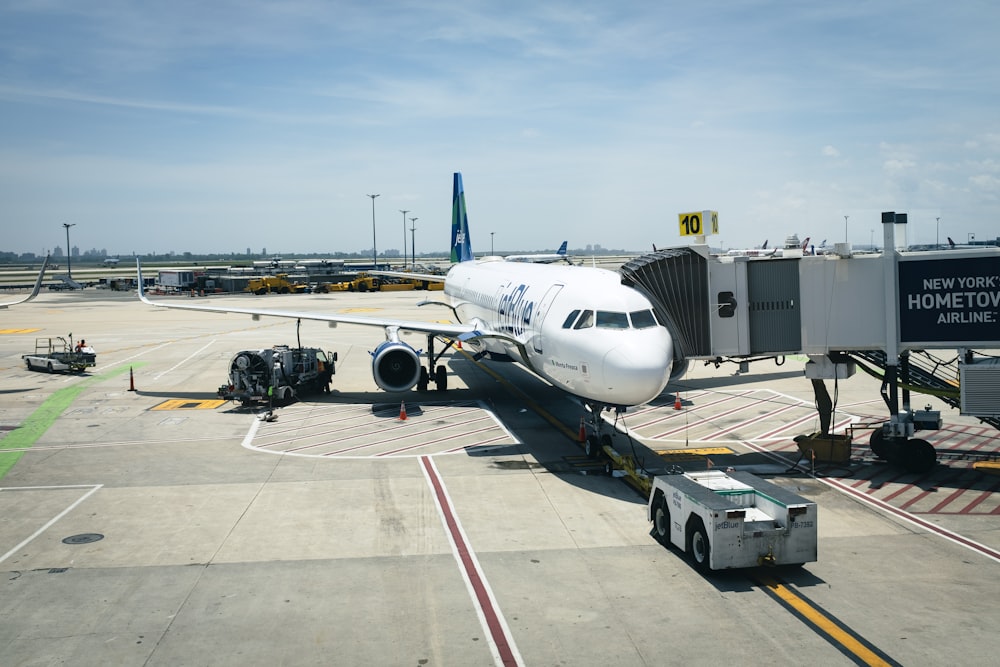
[147, 523]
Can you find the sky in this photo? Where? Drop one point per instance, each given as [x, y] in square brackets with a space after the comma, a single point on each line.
[218, 126]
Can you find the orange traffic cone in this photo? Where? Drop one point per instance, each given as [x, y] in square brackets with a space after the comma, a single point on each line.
[131, 380]
[677, 401]
[402, 411]
[583, 431]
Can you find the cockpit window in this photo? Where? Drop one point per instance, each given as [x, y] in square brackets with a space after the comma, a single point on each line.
[611, 320]
[586, 320]
[570, 319]
[643, 319]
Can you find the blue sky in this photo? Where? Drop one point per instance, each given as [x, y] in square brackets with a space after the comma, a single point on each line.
[217, 126]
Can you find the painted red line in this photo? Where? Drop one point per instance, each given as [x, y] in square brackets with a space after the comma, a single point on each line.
[944, 481]
[437, 441]
[983, 496]
[916, 520]
[748, 422]
[937, 509]
[469, 565]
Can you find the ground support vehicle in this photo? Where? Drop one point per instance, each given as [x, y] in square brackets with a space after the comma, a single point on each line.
[278, 375]
[279, 284]
[732, 519]
[58, 354]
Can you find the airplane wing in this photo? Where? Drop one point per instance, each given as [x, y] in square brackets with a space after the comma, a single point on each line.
[410, 275]
[462, 331]
[34, 292]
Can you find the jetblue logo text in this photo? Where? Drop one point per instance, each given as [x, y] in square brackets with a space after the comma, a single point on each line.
[515, 310]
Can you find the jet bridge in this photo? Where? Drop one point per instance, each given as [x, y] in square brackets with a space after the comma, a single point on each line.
[879, 311]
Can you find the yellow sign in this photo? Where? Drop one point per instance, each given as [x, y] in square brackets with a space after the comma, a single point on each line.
[188, 404]
[699, 223]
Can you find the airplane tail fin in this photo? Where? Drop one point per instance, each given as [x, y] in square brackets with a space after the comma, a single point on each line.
[950, 242]
[562, 248]
[461, 247]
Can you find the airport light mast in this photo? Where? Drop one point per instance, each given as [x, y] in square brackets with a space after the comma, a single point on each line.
[404, 236]
[69, 253]
[374, 243]
[413, 244]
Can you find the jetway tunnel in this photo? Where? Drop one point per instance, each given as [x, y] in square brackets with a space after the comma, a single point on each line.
[842, 311]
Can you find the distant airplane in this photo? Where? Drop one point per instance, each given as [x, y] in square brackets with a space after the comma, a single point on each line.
[34, 291]
[111, 261]
[960, 246]
[576, 327]
[541, 258]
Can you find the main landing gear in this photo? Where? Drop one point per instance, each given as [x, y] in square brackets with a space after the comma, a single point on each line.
[439, 376]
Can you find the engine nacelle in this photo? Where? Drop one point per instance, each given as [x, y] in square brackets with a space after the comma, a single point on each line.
[395, 366]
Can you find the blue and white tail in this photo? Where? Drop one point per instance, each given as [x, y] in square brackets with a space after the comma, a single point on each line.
[562, 249]
[461, 247]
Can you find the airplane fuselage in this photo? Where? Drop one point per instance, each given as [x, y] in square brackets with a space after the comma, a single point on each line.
[577, 327]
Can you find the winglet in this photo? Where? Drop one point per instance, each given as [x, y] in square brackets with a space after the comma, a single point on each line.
[35, 290]
[141, 286]
[461, 246]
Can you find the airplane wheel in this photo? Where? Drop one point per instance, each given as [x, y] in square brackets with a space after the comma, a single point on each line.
[609, 468]
[423, 380]
[590, 446]
[606, 440]
[441, 378]
[919, 456]
[700, 547]
[661, 521]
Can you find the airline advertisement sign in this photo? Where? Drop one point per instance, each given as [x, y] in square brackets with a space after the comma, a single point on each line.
[949, 300]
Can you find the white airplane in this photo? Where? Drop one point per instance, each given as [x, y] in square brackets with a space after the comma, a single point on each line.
[541, 258]
[34, 291]
[577, 327]
[111, 261]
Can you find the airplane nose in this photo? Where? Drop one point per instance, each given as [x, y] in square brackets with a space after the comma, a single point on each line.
[637, 375]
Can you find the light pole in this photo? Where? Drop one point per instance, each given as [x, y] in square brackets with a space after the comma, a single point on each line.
[937, 236]
[374, 244]
[404, 236]
[69, 253]
[845, 227]
[413, 243]
[491, 243]
[871, 239]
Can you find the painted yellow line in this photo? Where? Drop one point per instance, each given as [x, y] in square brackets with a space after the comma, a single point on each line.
[696, 451]
[535, 407]
[821, 621]
[18, 331]
[990, 467]
[188, 404]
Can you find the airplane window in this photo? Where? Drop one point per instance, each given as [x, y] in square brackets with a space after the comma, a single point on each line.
[610, 320]
[570, 319]
[643, 319]
[586, 320]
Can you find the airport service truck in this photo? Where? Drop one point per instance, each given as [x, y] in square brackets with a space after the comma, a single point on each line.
[278, 374]
[58, 354]
[732, 519]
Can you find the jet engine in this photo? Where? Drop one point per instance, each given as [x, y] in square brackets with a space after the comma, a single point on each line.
[395, 366]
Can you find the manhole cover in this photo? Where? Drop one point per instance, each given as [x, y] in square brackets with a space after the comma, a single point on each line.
[83, 538]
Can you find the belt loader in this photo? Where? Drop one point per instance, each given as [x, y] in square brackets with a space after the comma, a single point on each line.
[732, 519]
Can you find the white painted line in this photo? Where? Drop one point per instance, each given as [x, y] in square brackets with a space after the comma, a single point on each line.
[189, 358]
[494, 624]
[51, 521]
